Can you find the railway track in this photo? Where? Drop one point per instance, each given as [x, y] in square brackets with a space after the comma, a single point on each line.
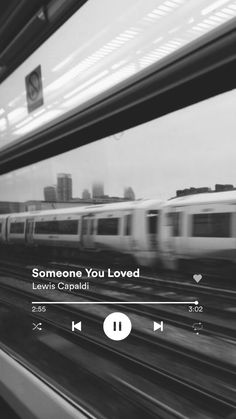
[215, 404]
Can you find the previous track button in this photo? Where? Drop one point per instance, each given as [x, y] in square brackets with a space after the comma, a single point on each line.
[76, 326]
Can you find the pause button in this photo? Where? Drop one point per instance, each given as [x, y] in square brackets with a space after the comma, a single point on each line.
[117, 326]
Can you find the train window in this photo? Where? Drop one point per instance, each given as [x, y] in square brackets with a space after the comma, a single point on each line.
[173, 219]
[128, 225]
[152, 221]
[44, 227]
[211, 225]
[108, 227]
[200, 225]
[57, 227]
[67, 227]
[17, 228]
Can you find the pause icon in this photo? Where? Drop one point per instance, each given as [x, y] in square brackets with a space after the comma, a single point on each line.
[115, 328]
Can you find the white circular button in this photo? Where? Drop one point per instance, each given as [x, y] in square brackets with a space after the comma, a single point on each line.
[117, 326]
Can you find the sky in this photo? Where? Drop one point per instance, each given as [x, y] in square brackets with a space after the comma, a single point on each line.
[192, 147]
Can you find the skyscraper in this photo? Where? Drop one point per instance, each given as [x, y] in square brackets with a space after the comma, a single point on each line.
[97, 190]
[64, 187]
[50, 193]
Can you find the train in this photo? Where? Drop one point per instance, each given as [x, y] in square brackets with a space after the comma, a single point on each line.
[146, 232]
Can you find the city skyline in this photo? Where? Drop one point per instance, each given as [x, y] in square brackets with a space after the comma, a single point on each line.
[62, 190]
[191, 147]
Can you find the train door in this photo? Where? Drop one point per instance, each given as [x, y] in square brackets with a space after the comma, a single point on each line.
[152, 229]
[177, 230]
[29, 231]
[2, 230]
[172, 236]
[87, 232]
[127, 232]
[6, 229]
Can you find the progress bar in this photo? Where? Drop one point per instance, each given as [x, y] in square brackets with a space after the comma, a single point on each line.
[116, 302]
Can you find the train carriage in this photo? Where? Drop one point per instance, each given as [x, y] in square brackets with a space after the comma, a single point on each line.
[128, 229]
[196, 227]
[199, 227]
[60, 228]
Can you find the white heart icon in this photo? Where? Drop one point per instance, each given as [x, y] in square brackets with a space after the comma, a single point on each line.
[197, 277]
